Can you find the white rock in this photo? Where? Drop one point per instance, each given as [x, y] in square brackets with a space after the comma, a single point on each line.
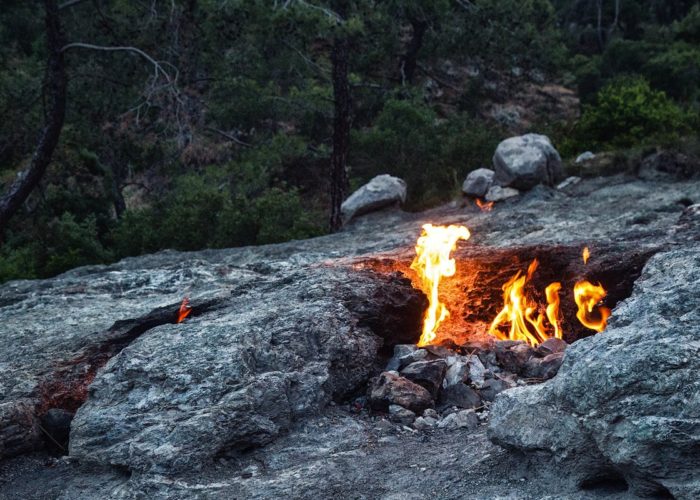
[382, 191]
[477, 371]
[570, 181]
[588, 155]
[465, 419]
[498, 193]
[524, 161]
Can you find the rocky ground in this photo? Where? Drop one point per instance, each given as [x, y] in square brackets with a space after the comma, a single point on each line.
[253, 395]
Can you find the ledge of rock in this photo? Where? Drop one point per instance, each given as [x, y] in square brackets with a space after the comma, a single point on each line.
[625, 402]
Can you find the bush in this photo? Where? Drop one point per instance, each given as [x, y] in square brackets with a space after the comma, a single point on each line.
[629, 112]
[431, 155]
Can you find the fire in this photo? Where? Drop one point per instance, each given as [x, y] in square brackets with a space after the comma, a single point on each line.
[432, 263]
[586, 255]
[587, 296]
[184, 311]
[521, 312]
[485, 206]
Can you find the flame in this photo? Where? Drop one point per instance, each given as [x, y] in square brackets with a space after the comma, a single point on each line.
[552, 294]
[433, 262]
[519, 311]
[184, 311]
[586, 255]
[485, 206]
[587, 296]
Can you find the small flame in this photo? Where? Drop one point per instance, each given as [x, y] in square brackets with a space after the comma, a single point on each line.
[586, 255]
[587, 296]
[519, 311]
[433, 262]
[485, 206]
[184, 311]
[552, 294]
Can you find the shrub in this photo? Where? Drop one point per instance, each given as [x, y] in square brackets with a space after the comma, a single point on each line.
[629, 112]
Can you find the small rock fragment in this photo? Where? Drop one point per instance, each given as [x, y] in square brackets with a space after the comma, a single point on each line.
[464, 419]
[430, 412]
[459, 395]
[498, 193]
[493, 387]
[586, 155]
[551, 346]
[423, 423]
[401, 415]
[477, 371]
[457, 373]
[390, 389]
[428, 374]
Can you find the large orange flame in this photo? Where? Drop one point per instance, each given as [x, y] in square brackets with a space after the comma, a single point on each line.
[432, 263]
[587, 296]
[184, 311]
[519, 311]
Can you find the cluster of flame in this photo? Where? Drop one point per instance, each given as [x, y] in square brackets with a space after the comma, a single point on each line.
[520, 318]
[184, 310]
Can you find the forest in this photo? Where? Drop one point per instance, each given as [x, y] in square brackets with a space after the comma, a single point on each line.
[195, 124]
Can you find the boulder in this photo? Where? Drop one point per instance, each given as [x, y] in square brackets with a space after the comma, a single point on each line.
[382, 191]
[498, 193]
[626, 402]
[428, 374]
[478, 182]
[390, 389]
[668, 164]
[524, 161]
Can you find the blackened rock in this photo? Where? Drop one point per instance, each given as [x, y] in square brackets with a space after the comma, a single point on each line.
[543, 368]
[423, 423]
[513, 357]
[551, 346]
[457, 373]
[391, 389]
[428, 374]
[56, 425]
[439, 351]
[460, 395]
[417, 355]
[400, 351]
[492, 387]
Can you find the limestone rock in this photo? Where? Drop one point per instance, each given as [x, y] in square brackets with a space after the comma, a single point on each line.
[382, 191]
[627, 401]
[522, 162]
[478, 182]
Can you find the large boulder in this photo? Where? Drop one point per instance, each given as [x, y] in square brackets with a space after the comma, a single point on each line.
[626, 402]
[382, 191]
[524, 161]
[478, 182]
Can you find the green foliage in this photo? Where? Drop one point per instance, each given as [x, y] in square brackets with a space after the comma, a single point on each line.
[628, 112]
[431, 155]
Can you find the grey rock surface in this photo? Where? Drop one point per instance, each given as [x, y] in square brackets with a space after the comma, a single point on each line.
[253, 341]
[478, 182]
[626, 402]
[382, 191]
[524, 161]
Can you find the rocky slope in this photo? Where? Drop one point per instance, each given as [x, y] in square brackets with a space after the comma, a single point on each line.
[249, 396]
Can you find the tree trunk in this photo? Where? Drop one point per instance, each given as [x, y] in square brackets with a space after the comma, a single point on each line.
[410, 58]
[55, 85]
[341, 128]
